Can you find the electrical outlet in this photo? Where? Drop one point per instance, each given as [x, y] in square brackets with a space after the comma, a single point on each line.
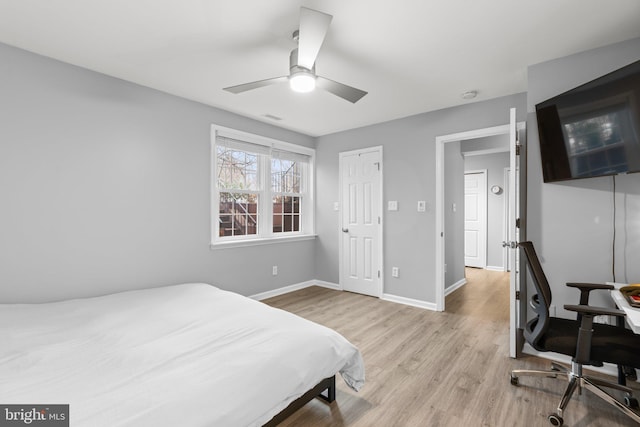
[392, 205]
[395, 272]
[274, 270]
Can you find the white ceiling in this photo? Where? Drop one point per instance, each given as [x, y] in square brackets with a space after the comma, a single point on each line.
[412, 56]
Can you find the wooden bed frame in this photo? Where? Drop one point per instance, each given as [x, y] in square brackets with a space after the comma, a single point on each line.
[327, 384]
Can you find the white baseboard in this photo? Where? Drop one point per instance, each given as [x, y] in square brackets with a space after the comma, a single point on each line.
[282, 291]
[409, 301]
[460, 283]
[495, 268]
[295, 287]
[334, 286]
[329, 285]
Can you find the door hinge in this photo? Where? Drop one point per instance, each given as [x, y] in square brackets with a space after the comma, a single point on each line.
[517, 222]
[377, 165]
[378, 274]
[517, 295]
[518, 147]
[378, 220]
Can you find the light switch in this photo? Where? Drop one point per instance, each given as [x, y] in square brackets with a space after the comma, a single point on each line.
[392, 205]
[422, 206]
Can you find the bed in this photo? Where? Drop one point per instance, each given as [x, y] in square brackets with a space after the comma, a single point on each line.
[188, 355]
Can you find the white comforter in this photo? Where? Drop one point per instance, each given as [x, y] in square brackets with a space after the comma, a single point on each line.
[184, 355]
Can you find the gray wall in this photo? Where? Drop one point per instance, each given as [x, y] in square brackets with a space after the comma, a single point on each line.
[409, 176]
[104, 186]
[489, 143]
[571, 223]
[495, 164]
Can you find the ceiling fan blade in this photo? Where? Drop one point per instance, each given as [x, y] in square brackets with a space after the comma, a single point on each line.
[313, 29]
[255, 85]
[349, 93]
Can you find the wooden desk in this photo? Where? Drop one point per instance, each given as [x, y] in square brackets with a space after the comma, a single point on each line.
[633, 314]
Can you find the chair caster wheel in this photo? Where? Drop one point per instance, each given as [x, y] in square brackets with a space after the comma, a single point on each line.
[631, 402]
[514, 380]
[556, 420]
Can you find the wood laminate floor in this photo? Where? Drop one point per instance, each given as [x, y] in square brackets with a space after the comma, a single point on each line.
[425, 368]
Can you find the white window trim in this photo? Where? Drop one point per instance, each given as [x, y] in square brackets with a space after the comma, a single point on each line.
[307, 224]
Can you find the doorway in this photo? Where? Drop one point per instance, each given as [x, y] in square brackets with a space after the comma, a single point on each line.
[360, 250]
[495, 162]
[516, 132]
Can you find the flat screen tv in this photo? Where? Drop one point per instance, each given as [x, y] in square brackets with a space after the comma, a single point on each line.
[593, 129]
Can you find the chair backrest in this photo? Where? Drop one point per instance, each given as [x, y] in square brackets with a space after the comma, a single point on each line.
[541, 301]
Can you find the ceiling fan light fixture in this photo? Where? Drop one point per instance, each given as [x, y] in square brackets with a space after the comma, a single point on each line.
[302, 61]
[302, 82]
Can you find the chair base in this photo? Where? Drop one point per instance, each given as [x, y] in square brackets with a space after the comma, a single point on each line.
[579, 381]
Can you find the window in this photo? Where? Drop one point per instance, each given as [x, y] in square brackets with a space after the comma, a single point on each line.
[286, 192]
[238, 191]
[261, 188]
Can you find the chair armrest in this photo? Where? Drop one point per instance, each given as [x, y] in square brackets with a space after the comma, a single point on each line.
[594, 311]
[589, 286]
[586, 288]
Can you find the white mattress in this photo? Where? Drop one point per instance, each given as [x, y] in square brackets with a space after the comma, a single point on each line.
[184, 355]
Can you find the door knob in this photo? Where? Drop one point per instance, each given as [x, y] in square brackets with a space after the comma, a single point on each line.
[345, 230]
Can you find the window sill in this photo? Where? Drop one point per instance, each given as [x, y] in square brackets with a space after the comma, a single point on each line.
[260, 242]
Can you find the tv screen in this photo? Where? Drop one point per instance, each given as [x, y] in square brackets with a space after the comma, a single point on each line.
[592, 130]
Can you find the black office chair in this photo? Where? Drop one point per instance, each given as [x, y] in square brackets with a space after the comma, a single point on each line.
[587, 343]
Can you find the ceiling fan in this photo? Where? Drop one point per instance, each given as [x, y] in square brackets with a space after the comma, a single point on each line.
[302, 68]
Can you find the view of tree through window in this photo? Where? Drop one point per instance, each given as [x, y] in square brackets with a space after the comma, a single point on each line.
[285, 188]
[237, 170]
[238, 213]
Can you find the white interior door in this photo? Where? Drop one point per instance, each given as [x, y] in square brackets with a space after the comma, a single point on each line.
[514, 234]
[361, 225]
[475, 219]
